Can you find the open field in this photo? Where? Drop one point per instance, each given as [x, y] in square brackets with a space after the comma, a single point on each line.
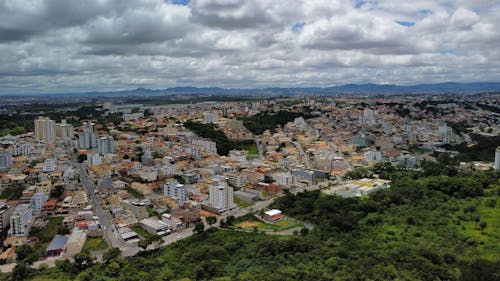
[246, 224]
[250, 221]
[242, 204]
[143, 233]
[95, 244]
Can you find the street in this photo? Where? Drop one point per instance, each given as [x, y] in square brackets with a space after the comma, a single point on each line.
[303, 155]
[112, 237]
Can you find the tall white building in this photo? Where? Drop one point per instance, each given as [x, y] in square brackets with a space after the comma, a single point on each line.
[64, 130]
[20, 220]
[221, 196]
[88, 137]
[94, 159]
[133, 116]
[22, 149]
[5, 213]
[207, 146]
[37, 201]
[284, 179]
[444, 132]
[176, 191]
[210, 117]
[45, 129]
[106, 144]
[367, 117]
[373, 156]
[5, 161]
[49, 165]
[497, 159]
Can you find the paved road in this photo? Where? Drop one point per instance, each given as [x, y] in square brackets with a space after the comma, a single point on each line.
[260, 149]
[303, 155]
[112, 237]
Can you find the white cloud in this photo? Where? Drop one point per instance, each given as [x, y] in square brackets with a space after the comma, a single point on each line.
[464, 19]
[58, 45]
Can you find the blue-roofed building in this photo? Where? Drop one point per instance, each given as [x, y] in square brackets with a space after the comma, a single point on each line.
[57, 245]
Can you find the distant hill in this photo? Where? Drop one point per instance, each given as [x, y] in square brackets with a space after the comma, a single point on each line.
[355, 89]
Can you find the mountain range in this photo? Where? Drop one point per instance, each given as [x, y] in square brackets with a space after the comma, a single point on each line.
[348, 89]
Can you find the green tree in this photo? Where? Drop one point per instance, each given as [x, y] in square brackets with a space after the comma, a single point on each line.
[84, 260]
[20, 272]
[483, 226]
[230, 220]
[23, 252]
[358, 173]
[199, 227]
[211, 220]
[81, 157]
[304, 231]
[66, 265]
[477, 219]
[111, 254]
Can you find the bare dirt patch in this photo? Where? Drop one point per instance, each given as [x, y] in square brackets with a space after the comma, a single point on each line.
[249, 224]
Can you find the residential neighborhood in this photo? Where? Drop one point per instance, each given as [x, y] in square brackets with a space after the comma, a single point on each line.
[141, 177]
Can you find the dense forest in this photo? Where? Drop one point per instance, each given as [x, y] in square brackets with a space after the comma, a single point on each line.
[23, 122]
[261, 122]
[211, 132]
[482, 150]
[427, 226]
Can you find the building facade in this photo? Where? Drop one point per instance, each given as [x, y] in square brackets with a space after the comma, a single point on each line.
[106, 144]
[5, 161]
[20, 220]
[88, 137]
[496, 166]
[45, 130]
[221, 196]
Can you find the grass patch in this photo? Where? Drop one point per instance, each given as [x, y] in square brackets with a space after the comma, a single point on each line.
[12, 193]
[152, 212]
[46, 234]
[242, 204]
[134, 193]
[250, 147]
[488, 246]
[250, 221]
[143, 233]
[95, 244]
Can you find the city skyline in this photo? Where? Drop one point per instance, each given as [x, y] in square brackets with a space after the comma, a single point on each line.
[106, 45]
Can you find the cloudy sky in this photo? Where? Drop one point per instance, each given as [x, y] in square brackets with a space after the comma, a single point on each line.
[68, 46]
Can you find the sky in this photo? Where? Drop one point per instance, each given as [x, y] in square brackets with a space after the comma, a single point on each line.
[101, 45]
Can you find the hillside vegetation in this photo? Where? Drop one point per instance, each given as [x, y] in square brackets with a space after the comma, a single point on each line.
[435, 227]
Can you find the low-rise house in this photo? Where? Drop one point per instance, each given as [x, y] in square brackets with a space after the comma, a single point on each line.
[9, 255]
[68, 222]
[93, 229]
[57, 245]
[75, 242]
[154, 226]
[174, 223]
[49, 207]
[273, 215]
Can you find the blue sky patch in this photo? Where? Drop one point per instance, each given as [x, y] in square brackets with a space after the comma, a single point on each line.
[180, 2]
[446, 51]
[425, 12]
[405, 23]
[359, 4]
[297, 27]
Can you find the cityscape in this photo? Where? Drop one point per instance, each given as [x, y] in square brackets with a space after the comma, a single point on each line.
[244, 140]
